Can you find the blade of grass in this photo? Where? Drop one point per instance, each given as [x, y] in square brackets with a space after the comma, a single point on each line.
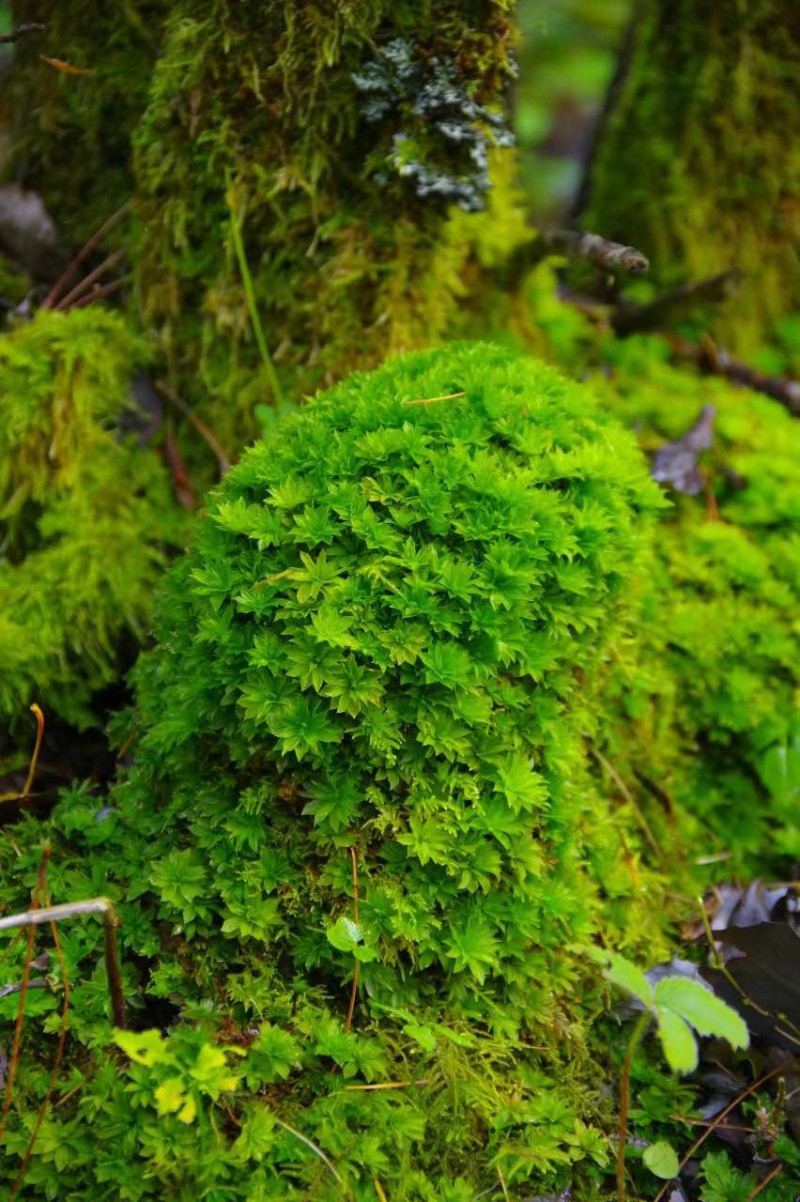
[250, 296]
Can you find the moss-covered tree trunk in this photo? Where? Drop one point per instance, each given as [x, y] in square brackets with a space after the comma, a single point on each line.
[77, 86]
[699, 161]
[351, 145]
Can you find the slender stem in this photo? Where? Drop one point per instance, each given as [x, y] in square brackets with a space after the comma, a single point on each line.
[51, 299]
[316, 1150]
[250, 296]
[354, 991]
[37, 748]
[113, 970]
[764, 1182]
[624, 1099]
[85, 284]
[223, 459]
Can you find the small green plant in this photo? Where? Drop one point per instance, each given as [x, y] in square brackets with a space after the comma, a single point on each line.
[681, 1009]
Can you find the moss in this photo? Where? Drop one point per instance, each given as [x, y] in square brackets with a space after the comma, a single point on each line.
[348, 262]
[706, 111]
[376, 665]
[71, 129]
[86, 516]
[717, 677]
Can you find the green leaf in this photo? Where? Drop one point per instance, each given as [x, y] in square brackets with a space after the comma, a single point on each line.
[662, 1160]
[724, 1183]
[345, 935]
[627, 976]
[145, 1047]
[257, 1134]
[678, 1042]
[702, 1009]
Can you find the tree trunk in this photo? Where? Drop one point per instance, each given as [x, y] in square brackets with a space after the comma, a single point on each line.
[698, 163]
[351, 146]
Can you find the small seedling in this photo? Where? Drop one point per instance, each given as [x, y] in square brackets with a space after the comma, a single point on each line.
[682, 1009]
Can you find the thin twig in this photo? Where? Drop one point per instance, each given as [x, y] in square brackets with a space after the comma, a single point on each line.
[16, 986]
[630, 318]
[250, 297]
[612, 258]
[714, 361]
[53, 295]
[764, 1182]
[20, 30]
[721, 967]
[223, 459]
[96, 905]
[354, 991]
[503, 1186]
[99, 292]
[386, 1085]
[432, 400]
[316, 1150]
[380, 1191]
[626, 793]
[85, 284]
[717, 1120]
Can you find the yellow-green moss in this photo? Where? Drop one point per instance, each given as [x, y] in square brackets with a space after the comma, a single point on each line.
[86, 515]
[699, 163]
[347, 259]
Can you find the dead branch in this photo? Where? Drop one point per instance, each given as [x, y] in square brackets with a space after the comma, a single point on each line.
[630, 318]
[21, 30]
[712, 360]
[611, 258]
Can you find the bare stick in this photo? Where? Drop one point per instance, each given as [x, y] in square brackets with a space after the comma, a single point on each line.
[316, 1150]
[432, 400]
[99, 292]
[95, 905]
[711, 359]
[610, 257]
[27, 27]
[223, 459]
[85, 284]
[51, 299]
[630, 318]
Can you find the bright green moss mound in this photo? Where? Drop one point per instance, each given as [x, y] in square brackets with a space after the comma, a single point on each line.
[85, 515]
[385, 641]
[384, 651]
